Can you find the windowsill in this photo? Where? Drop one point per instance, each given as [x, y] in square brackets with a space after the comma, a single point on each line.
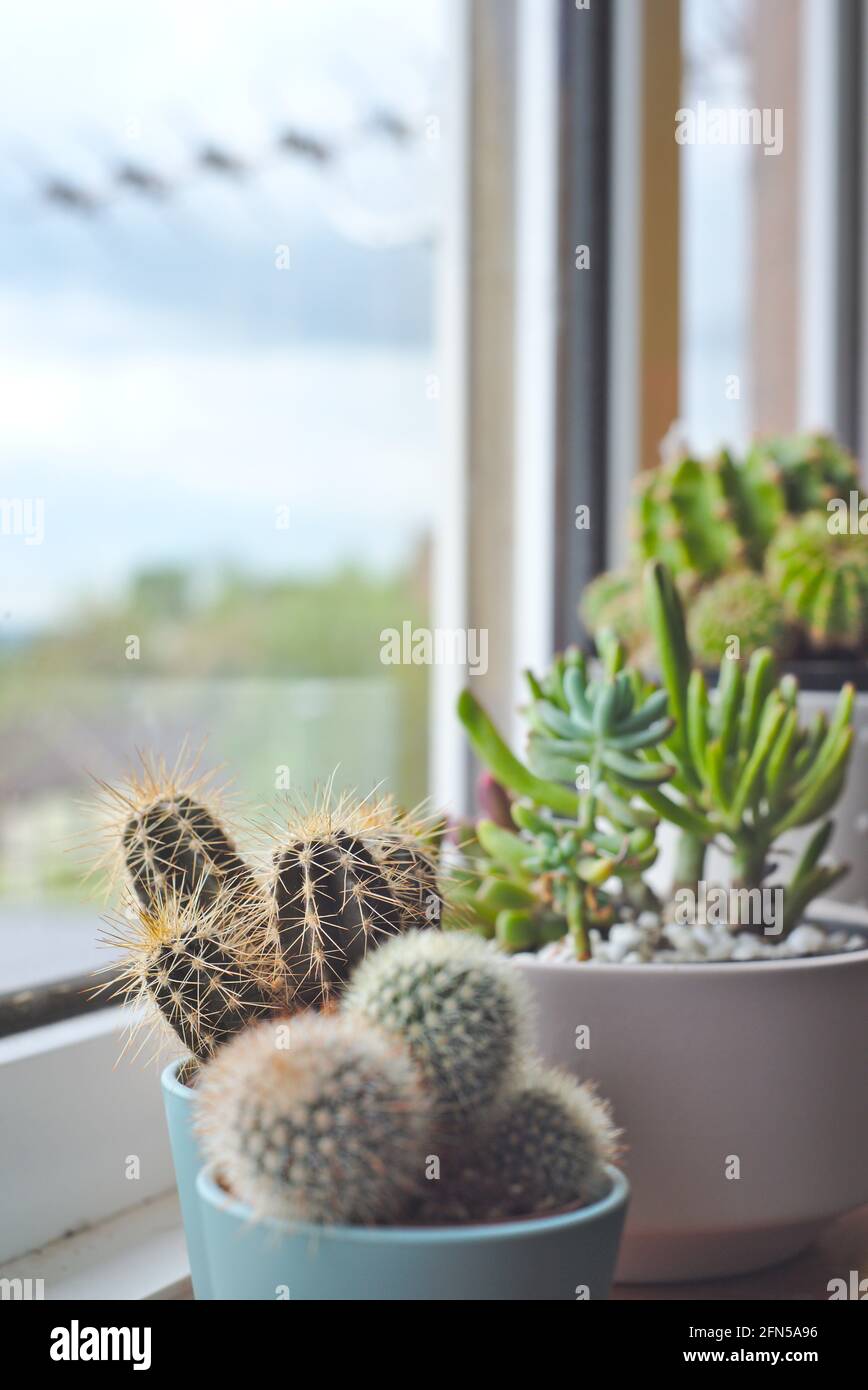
[137, 1255]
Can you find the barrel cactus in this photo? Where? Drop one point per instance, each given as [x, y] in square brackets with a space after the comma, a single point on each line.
[808, 469]
[457, 1006]
[327, 1125]
[345, 878]
[743, 605]
[823, 577]
[546, 1150]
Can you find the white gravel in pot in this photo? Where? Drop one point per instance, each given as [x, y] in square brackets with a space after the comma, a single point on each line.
[649, 939]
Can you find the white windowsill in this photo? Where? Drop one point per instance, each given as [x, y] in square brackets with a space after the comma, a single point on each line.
[137, 1255]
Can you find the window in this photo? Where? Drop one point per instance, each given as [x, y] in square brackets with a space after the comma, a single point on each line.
[221, 413]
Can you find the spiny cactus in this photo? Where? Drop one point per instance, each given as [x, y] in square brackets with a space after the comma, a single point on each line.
[544, 1151]
[743, 605]
[203, 967]
[808, 469]
[687, 513]
[823, 578]
[168, 827]
[344, 878]
[326, 1125]
[458, 1008]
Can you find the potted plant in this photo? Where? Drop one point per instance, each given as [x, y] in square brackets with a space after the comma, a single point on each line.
[769, 550]
[404, 1147]
[729, 1034]
[209, 945]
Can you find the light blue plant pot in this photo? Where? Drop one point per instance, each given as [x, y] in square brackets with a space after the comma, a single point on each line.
[188, 1159]
[569, 1256]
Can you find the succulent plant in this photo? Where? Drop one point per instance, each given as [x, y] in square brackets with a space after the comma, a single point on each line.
[346, 877]
[808, 469]
[575, 830]
[545, 1150]
[203, 968]
[458, 1008]
[744, 605]
[823, 578]
[326, 1125]
[748, 770]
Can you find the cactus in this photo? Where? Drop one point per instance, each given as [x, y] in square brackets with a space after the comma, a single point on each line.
[165, 833]
[747, 768]
[545, 1151]
[742, 604]
[687, 513]
[614, 601]
[344, 878]
[550, 1145]
[808, 469]
[203, 967]
[456, 1005]
[327, 1124]
[823, 578]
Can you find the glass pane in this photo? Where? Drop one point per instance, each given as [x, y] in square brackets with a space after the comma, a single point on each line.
[715, 228]
[220, 409]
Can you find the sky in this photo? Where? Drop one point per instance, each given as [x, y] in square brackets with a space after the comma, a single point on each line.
[164, 387]
[165, 382]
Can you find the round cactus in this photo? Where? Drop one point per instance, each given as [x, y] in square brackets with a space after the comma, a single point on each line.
[316, 1120]
[614, 600]
[808, 468]
[742, 605]
[459, 1007]
[205, 969]
[545, 1151]
[823, 577]
[344, 878]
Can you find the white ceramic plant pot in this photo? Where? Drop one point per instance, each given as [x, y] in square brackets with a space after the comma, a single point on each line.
[741, 1088]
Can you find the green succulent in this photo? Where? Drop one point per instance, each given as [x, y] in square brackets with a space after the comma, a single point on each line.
[748, 769]
[577, 826]
[823, 578]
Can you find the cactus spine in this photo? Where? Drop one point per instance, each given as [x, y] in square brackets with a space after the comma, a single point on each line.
[204, 968]
[458, 1008]
[325, 1126]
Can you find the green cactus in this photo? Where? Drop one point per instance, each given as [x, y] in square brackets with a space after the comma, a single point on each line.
[545, 1151]
[203, 968]
[688, 512]
[748, 770]
[807, 469]
[327, 1122]
[743, 605]
[344, 878]
[459, 1009]
[614, 601]
[823, 578]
